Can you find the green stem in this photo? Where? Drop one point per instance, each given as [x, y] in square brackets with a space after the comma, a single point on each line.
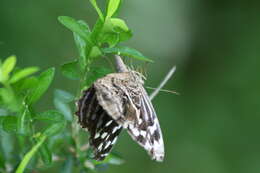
[30, 154]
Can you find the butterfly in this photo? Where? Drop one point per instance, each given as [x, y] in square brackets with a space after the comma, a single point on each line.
[115, 102]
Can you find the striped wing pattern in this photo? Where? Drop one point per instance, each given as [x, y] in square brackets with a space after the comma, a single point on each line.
[102, 128]
[146, 130]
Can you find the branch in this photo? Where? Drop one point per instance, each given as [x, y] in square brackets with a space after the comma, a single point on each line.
[120, 66]
[164, 81]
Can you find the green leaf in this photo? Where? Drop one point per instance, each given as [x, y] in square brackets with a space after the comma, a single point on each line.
[98, 27]
[61, 100]
[94, 4]
[75, 27]
[70, 70]
[54, 128]
[7, 144]
[126, 51]
[64, 108]
[7, 67]
[50, 115]
[10, 124]
[114, 31]
[111, 38]
[112, 7]
[26, 85]
[45, 154]
[119, 23]
[82, 46]
[30, 154]
[64, 96]
[7, 96]
[45, 80]
[23, 122]
[95, 52]
[23, 73]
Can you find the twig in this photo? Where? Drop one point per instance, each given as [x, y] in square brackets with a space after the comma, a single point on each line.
[164, 81]
[120, 66]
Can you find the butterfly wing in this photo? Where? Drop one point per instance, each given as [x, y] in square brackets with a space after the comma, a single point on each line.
[145, 130]
[102, 128]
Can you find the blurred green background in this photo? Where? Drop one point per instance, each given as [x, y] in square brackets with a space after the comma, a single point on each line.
[213, 126]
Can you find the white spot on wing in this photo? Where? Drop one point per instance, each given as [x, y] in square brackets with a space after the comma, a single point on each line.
[107, 145]
[104, 135]
[96, 135]
[114, 141]
[108, 123]
[100, 146]
[143, 133]
[116, 128]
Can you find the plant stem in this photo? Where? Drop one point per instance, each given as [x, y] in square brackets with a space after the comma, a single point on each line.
[30, 154]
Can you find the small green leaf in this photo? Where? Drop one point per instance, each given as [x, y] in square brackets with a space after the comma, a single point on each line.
[54, 128]
[61, 100]
[95, 52]
[70, 70]
[7, 96]
[112, 7]
[82, 46]
[8, 65]
[50, 115]
[119, 23]
[23, 73]
[126, 51]
[111, 38]
[46, 154]
[98, 27]
[45, 80]
[23, 122]
[10, 124]
[114, 31]
[7, 143]
[26, 85]
[64, 108]
[75, 27]
[94, 4]
[64, 96]
[30, 154]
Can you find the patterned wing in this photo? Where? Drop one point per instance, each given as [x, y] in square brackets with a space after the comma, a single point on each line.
[103, 129]
[145, 130]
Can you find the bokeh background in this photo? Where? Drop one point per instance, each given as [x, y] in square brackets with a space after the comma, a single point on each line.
[213, 125]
